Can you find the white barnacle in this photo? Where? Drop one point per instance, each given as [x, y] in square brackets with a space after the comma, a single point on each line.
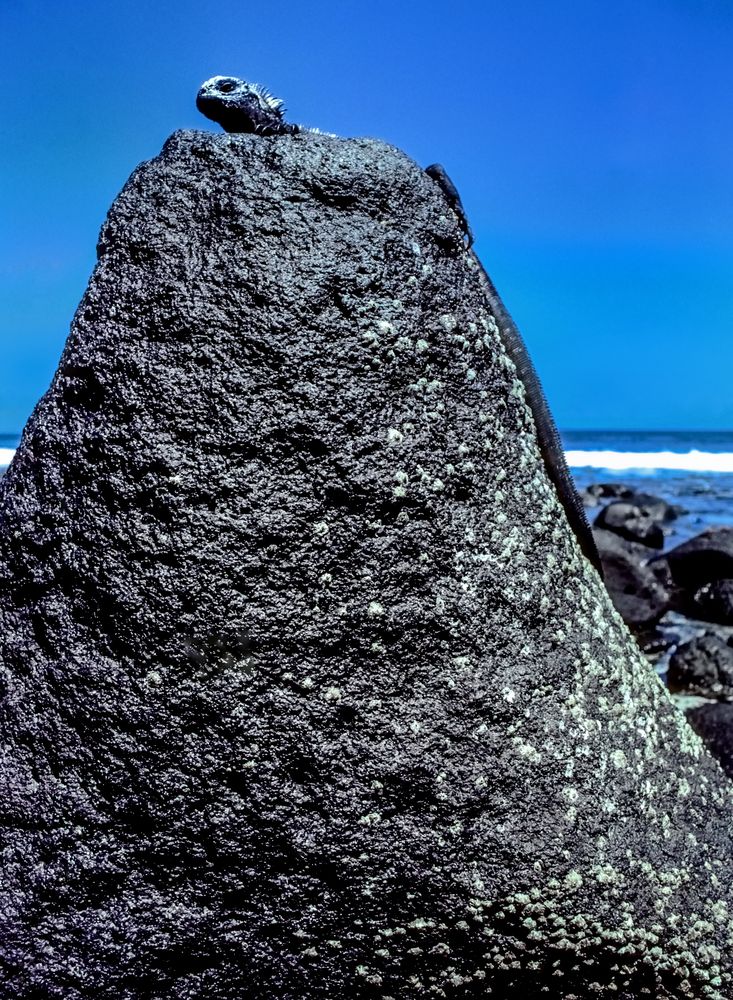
[618, 759]
[573, 880]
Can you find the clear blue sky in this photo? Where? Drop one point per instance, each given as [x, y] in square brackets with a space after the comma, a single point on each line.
[592, 143]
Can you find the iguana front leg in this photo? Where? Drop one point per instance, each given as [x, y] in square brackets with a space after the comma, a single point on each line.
[438, 173]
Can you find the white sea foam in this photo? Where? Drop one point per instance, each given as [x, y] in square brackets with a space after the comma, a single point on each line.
[6, 456]
[688, 461]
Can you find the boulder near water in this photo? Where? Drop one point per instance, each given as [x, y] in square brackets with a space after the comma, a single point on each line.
[307, 688]
[639, 594]
[632, 523]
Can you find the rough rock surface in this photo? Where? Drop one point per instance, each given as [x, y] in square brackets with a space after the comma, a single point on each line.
[307, 689]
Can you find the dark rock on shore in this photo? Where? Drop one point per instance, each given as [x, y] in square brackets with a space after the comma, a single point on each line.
[596, 493]
[638, 595]
[653, 643]
[703, 665]
[657, 508]
[308, 692]
[630, 522]
[606, 491]
[713, 722]
[653, 507]
[701, 571]
[713, 602]
[703, 559]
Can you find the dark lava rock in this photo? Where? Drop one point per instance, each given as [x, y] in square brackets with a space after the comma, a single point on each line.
[703, 559]
[713, 722]
[615, 491]
[308, 691]
[630, 522]
[714, 602]
[653, 643]
[637, 594]
[657, 508]
[703, 665]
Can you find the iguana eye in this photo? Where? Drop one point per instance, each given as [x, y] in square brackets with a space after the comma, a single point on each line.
[227, 86]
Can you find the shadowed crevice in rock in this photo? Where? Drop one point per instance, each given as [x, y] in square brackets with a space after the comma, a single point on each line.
[307, 689]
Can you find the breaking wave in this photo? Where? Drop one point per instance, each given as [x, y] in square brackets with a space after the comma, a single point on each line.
[688, 461]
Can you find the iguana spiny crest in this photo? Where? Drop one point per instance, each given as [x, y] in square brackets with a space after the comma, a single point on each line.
[239, 106]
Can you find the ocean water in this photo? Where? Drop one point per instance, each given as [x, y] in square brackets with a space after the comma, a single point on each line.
[690, 468]
[8, 444]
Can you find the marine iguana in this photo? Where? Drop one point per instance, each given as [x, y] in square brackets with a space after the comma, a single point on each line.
[239, 106]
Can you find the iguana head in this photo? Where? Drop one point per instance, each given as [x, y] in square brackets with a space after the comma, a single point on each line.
[239, 106]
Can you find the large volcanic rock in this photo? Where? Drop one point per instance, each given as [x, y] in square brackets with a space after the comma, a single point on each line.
[307, 689]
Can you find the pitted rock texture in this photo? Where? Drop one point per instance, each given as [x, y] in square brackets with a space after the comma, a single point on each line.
[307, 689]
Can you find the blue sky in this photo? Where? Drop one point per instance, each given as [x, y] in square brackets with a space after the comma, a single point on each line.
[592, 143]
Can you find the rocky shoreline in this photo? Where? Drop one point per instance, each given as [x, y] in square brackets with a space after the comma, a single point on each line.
[677, 603]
